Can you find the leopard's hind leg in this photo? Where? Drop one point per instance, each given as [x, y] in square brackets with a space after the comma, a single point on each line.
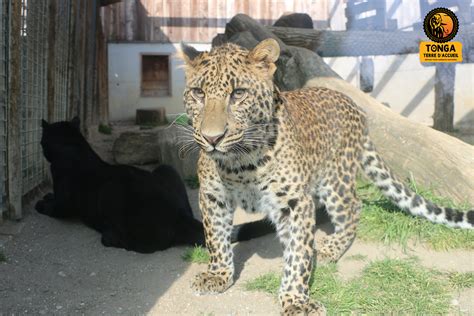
[337, 193]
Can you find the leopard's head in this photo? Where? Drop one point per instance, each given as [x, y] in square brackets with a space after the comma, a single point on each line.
[229, 97]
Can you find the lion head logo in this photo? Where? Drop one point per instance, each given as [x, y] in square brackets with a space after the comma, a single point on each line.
[441, 25]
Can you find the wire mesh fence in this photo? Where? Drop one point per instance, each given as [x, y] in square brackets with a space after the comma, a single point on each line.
[3, 100]
[34, 63]
[46, 63]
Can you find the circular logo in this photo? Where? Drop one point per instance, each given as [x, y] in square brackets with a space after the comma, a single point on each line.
[441, 25]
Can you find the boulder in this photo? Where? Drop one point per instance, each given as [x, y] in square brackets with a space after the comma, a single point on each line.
[299, 20]
[157, 146]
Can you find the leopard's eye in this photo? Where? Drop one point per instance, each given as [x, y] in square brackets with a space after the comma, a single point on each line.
[197, 93]
[238, 94]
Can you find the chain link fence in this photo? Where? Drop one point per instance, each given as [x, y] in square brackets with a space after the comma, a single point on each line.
[47, 71]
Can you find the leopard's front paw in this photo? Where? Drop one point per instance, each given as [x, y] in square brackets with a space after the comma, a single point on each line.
[309, 308]
[210, 283]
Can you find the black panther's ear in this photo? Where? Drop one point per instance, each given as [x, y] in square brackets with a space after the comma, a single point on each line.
[44, 124]
[76, 122]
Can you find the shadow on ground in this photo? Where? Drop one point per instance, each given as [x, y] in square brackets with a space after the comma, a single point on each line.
[57, 266]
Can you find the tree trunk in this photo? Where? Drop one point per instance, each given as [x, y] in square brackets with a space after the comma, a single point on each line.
[411, 149]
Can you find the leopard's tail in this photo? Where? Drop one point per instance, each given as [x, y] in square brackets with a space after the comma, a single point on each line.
[378, 172]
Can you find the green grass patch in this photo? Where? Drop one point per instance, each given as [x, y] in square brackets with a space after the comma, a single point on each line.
[197, 254]
[192, 182]
[387, 286]
[269, 283]
[460, 280]
[105, 129]
[382, 221]
[182, 119]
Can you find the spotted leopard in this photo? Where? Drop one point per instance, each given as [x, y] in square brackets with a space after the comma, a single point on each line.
[283, 154]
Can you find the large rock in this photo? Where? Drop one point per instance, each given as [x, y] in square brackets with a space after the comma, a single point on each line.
[157, 146]
[299, 20]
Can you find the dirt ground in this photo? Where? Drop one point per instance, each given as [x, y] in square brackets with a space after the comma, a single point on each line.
[60, 267]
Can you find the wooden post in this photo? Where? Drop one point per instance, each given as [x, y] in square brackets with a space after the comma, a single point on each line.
[14, 190]
[77, 60]
[71, 111]
[443, 117]
[51, 59]
[102, 75]
[130, 19]
[366, 74]
[80, 63]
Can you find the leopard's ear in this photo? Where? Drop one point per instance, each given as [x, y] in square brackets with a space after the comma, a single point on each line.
[187, 53]
[267, 51]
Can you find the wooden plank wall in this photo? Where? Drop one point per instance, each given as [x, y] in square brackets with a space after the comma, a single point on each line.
[199, 21]
[166, 21]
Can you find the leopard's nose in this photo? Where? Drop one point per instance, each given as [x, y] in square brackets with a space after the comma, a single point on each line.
[215, 139]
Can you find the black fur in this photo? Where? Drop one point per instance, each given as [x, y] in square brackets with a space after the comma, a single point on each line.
[132, 208]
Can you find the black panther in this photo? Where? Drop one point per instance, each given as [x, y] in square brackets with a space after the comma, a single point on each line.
[132, 208]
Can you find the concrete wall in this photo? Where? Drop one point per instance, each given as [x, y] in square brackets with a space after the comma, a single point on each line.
[400, 81]
[124, 79]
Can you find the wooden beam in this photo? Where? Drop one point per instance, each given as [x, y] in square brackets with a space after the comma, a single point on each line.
[362, 43]
[104, 3]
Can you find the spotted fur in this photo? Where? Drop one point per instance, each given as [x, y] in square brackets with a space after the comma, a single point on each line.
[281, 153]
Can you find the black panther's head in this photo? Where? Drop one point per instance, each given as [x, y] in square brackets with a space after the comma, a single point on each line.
[62, 140]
